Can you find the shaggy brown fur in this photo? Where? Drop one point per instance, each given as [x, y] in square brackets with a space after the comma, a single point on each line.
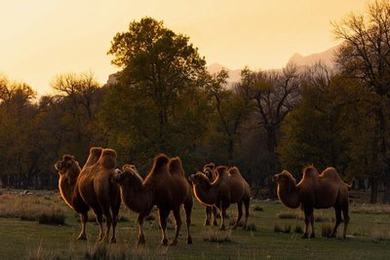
[165, 186]
[100, 192]
[229, 187]
[209, 171]
[315, 190]
[69, 170]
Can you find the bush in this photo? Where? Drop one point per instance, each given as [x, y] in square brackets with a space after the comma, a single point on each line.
[217, 236]
[251, 227]
[53, 218]
[287, 215]
[285, 229]
[258, 208]
[326, 230]
[298, 229]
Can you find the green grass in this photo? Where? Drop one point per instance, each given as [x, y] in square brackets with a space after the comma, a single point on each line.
[369, 237]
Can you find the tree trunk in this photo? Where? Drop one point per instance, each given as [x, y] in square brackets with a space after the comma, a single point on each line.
[374, 189]
[383, 155]
[272, 167]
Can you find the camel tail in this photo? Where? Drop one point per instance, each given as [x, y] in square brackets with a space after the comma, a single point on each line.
[175, 166]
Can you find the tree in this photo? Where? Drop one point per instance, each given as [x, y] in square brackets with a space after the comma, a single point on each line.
[232, 107]
[365, 55]
[159, 102]
[274, 94]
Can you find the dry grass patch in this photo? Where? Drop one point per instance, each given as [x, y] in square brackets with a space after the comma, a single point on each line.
[31, 208]
[218, 236]
[294, 215]
[371, 209]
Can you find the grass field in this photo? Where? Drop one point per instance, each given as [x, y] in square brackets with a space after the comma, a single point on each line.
[369, 234]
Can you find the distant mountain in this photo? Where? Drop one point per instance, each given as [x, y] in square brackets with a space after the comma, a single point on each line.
[234, 75]
[326, 57]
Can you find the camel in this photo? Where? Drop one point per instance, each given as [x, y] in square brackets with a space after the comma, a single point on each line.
[209, 171]
[229, 187]
[165, 186]
[315, 191]
[69, 170]
[99, 191]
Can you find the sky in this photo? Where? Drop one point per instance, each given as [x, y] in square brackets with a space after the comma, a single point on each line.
[40, 39]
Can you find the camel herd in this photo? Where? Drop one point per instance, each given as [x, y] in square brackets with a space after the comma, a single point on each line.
[101, 186]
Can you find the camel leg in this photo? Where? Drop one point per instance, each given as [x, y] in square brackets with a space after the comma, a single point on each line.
[208, 216]
[246, 204]
[239, 208]
[188, 209]
[141, 236]
[163, 225]
[307, 222]
[83, 219]
[176, 214]
[312, 224]
[338, 220]
[346, 219]
[108, 216]
[223, 211]
[99, 219]
[215, 215]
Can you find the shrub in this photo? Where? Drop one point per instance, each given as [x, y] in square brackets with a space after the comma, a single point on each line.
[326, 230]
[285, 229]
[258, 208]
[251, 227]
[287, 215]
[217, 236]
[52, 218]
[298, 229]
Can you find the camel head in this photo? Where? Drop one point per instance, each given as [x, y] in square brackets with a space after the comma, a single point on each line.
[128, 176]
[284, 178]
[200, 179]
[208, 170]
[68, 168]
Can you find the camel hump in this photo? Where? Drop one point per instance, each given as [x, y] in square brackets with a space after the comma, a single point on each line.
[331, 173]
[221, 170]
[310, 172]
[175, 166]
[160, 161]
[94, 155]
[108, 158]
[234, 171]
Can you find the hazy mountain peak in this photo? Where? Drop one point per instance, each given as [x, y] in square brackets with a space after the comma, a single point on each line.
[326, 57]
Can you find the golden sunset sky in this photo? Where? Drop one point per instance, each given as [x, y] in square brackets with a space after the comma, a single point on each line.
[42, 38]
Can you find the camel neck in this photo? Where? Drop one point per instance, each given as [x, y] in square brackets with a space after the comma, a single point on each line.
[137, 198]
[67, 189]
[206, 194]
[289, 195]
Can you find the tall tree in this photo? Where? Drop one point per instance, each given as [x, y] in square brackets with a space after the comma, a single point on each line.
[274, 94]
[365, 55]
[160, 90]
